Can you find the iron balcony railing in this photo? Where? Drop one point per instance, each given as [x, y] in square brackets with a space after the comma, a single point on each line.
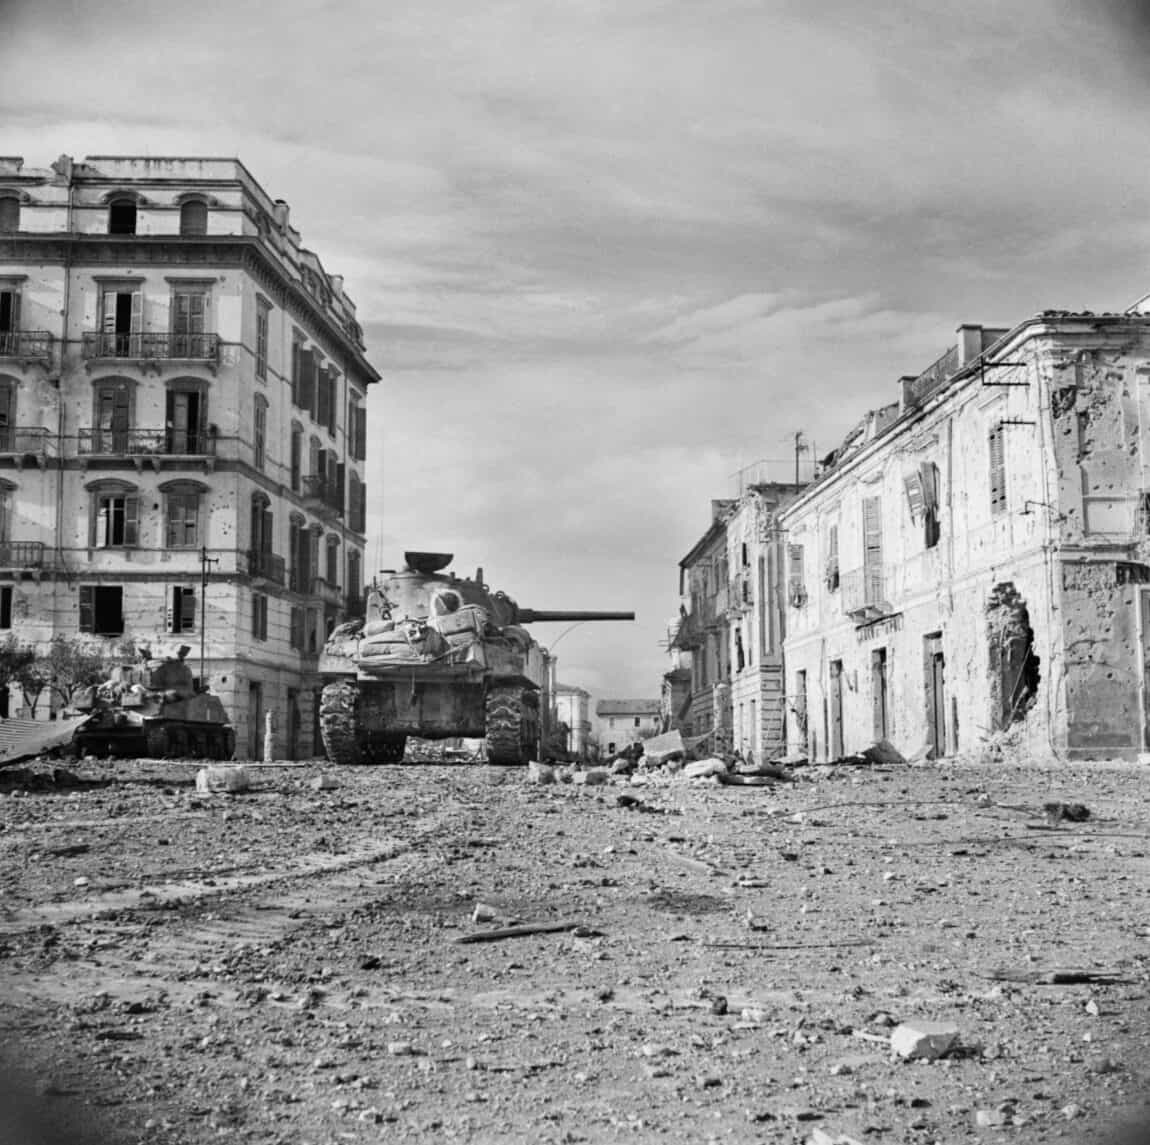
[27, 439]
[266, 565]
[35, 344]
[152, 347]
[133, 442]
[24, 555]
[865, 591]
[324, 494]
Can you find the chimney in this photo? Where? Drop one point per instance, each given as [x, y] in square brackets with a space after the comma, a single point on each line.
[906, 397]
[969, 343]
[280, 212]
[336, 281]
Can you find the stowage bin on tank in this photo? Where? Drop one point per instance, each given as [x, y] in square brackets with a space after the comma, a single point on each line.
[154, 711]
[435, 656]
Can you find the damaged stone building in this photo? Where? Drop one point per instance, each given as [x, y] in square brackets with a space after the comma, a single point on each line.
[972, 568]
[182, 428]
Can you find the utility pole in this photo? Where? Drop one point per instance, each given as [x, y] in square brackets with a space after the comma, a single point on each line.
[205, 560]
[800, 447]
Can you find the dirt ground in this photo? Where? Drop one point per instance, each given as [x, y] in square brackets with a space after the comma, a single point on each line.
[286, 966]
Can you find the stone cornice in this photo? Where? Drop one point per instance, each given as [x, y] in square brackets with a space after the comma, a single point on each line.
[247, 252]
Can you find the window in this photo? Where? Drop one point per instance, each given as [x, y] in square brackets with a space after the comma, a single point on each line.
[323, 395]
[113, 418]
[9, 214]
[190, 322]
[259, 616]
[796, 576]
[932, 530]
[102, 609]
[262, 310]
[305, 397]
[6, 606]
[9, 319]
[296, 456]
[259, 431]
[636, 721]
[115, 520]
[296, 367]
[194, 218]
[331, 573]
[354, 583]
[121, 323]
[357, 505]
[184, 427]
[997, 472]
[874, 587]
[296, 635]
[357, 416]
[183, 516]
[311, 624]
[332, 399]
[832, 577]
[7, 417]
[181, 610]
[122, 217]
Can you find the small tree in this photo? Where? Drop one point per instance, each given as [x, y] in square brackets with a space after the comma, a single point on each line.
[15, 659]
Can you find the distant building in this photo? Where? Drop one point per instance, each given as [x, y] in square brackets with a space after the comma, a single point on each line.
[974, 564]
[183, 395]
[622, 722]
[573, 709]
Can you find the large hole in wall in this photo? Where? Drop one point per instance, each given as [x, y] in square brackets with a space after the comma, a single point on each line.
[1014, 665]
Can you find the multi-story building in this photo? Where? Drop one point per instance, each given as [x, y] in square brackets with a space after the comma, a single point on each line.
[573, 711]
[703, 634]
[624, 722]
[974, 564]
[182, 427]
[756, 610]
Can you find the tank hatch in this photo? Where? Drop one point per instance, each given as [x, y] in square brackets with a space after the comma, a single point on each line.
[428, 563]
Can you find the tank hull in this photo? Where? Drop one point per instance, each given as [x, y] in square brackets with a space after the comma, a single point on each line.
[156, 739]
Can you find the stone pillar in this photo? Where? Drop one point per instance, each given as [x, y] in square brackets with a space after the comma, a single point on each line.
[269, 737]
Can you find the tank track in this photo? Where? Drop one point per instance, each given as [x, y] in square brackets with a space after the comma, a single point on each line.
[337, 721]
[510, 734]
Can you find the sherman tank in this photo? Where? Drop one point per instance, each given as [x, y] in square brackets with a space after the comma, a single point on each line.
[436, 656]
[153, 710]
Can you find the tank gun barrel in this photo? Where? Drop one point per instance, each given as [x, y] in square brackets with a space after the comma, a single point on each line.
[539, 615]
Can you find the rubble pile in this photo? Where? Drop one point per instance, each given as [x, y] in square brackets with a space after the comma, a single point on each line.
[865, 953]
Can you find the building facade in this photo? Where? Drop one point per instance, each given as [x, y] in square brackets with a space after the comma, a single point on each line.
[183, 398]
[973, 567]
[573, 711]
[624, 722]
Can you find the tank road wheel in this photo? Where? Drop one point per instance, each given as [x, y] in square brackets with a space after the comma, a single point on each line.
[512, 726]
[337, 711]
[156, 742]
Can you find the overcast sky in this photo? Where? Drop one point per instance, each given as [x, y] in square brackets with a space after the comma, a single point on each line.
[605, 253]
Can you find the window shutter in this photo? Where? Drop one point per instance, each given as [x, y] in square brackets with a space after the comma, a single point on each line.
[321, 396]
[997, 472]
[872, 549]
[87, 608]
[360, 433]
[188, 610]
[131, 521]
[340, 477]
[306, 379]
[109, 324]
[15, 310]
[914, 494]
[137, 314]
[929, 473]
[796, 577]
[172, 611]
[333, 400]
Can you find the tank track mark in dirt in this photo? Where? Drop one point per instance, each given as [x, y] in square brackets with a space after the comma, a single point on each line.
[512, 725]
[337, 722]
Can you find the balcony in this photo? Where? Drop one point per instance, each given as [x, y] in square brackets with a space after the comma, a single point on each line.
[327, 592]
[26, 346]
[865, 592]
[22, 441]
[152, 348]
[323, 497]
[265, 565]
[101, 442]
[25, 557]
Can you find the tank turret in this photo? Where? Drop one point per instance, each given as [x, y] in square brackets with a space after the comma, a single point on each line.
[436, 656]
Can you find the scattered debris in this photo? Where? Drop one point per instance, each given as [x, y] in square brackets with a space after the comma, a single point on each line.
[524, 930]
[883, 752]
[222, 778]
[704, 768]
[1068, 812]
[324, 783]
[540, 773]
[663, 749]
[1056, 977]
[926, 1040]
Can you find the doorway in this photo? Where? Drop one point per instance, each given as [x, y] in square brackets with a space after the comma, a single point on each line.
[880, 695]
[934, 663]
[295, 724]
[255, 719]
[836, 728]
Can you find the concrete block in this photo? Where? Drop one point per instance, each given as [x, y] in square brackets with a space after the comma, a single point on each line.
[229, 778]
[925, 1040]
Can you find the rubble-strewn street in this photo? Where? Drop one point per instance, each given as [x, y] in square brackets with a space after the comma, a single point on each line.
[713, 962]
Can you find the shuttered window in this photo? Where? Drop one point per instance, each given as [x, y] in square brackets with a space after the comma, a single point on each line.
[102, 609]
[259, 431]
[997, 472]
[932, 530]
[259, 616]
[873, 586]
[181, 615]
[359, 432]
[262, 311]
[116, 521]
[796, 576]
[305, 396]
[183, 516]
[296, 635]
[832, 573]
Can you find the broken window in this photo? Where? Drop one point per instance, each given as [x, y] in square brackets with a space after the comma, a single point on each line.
[932, 530]
[181, 615]
[102, 609]
[997, 471]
